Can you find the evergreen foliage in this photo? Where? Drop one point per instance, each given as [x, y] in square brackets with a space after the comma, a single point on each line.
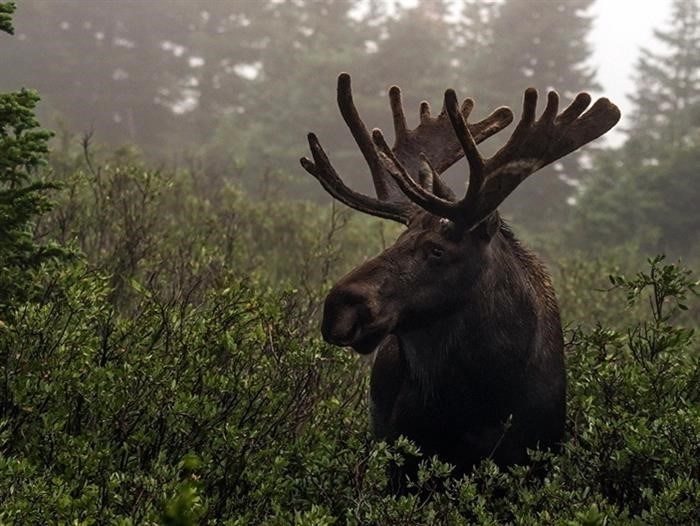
[659, 200]
[667, 98]
[23, 196]
[6, 10]
[646, 192]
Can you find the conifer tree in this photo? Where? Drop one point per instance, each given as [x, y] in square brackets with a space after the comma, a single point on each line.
[6, 10]
[23, 149]
[667, 98]
[539, 44]
[647, 191]
[304, 47]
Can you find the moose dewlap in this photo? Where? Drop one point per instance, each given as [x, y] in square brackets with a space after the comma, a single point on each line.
[463, 318]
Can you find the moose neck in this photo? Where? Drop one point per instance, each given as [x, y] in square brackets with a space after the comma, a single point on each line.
[495, 327]
[428, 350]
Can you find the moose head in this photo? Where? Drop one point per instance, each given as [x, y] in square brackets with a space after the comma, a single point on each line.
[447, 244]
[464, 319]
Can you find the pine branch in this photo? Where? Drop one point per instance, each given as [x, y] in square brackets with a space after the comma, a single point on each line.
[6, 11]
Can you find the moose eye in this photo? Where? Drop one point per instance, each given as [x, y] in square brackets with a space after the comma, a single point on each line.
[436, 252]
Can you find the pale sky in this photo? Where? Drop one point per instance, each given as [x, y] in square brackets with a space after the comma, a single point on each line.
[621, 28]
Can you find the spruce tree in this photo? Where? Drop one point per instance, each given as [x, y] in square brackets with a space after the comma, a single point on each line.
[647, 191]
[6, 10]
[667, 98]
[23, 149]
[414, 52]
[304, 45]
[539, 44]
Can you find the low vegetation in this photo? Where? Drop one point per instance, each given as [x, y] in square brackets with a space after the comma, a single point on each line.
[168, 368]
[160, 363]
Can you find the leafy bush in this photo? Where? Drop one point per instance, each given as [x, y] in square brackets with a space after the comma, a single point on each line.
[180, 226]
[105, 416]
[220, 405]
[174, 375]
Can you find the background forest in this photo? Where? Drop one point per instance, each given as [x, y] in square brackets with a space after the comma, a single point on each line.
[164, 258]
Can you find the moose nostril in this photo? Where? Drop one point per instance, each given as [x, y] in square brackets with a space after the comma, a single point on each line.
[344, 313]
[340, 327]
[346, 297]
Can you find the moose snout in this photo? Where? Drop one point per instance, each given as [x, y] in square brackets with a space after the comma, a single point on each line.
[345, 313]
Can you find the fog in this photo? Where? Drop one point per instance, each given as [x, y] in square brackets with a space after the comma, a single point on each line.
[235, 86]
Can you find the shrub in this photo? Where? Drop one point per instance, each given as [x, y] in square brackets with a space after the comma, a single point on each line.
[114, 417]
[226, 410]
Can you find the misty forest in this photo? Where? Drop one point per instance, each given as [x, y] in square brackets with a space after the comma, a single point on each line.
[196, 328]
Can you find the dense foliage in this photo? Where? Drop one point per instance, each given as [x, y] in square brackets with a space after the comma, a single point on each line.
[174, 373]
[6, 10]
[170, 370]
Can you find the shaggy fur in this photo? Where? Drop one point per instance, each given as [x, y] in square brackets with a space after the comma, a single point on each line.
[471, 371]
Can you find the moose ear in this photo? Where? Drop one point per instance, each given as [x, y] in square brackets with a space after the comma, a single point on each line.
[487, 228]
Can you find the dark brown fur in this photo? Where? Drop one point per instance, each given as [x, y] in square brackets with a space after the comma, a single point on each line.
[470, 359]
[469, 341]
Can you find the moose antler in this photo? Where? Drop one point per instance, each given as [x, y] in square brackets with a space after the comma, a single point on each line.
[533, 144]
[428, 150]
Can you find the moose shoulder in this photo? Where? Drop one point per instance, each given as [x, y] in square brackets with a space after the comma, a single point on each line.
[464, 319]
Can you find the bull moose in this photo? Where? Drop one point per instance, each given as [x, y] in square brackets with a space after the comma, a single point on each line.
[463, 318]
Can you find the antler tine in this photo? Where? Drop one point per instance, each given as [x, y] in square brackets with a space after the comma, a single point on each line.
[476, 162]
[426, 174]
[437, 186]
[400, 127]
[536, 143]
[324, 172]
[414, 191]
[362, 137]
[434, 136]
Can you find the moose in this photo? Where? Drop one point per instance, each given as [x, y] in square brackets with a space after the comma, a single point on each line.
[469, 359]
